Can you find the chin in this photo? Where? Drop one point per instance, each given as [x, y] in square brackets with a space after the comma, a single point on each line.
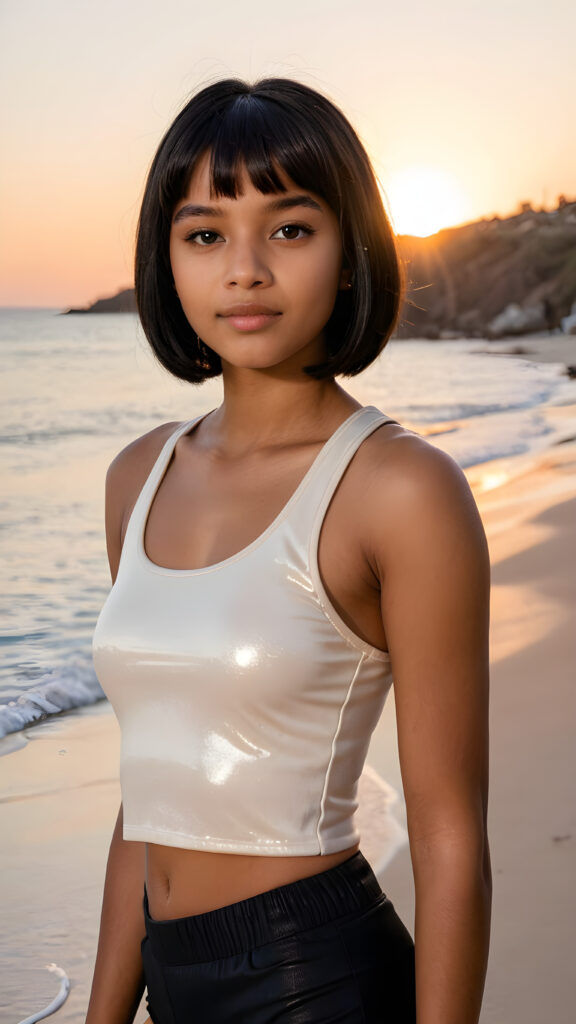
[267, 360]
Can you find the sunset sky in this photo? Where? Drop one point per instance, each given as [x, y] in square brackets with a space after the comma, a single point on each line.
[465, 108]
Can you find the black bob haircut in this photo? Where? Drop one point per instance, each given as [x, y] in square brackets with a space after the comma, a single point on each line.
[274, 123]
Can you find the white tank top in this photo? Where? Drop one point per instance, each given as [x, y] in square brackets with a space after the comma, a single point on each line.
[245, 702]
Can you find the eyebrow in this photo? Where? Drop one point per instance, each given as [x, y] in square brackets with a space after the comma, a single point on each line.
[284, 203]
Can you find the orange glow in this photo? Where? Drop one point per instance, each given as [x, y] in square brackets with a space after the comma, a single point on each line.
[422, 200]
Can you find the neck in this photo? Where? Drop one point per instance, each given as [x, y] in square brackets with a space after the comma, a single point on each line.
[261, 409]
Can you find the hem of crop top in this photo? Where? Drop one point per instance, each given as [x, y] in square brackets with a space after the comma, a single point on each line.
[274, 848]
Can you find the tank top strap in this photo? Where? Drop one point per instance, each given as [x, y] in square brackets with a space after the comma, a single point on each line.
[141, 508]
[327, 470]
[304, 511]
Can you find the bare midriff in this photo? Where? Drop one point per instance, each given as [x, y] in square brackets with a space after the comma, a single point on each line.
[183, 882]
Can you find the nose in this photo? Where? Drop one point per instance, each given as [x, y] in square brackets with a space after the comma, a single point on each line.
[247, 266]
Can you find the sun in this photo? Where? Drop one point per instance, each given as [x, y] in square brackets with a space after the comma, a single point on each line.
[422, 200]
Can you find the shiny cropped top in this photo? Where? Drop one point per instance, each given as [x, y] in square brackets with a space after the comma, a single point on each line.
[245, 702]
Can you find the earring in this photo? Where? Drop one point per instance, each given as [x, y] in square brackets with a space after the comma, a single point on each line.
[203, 350]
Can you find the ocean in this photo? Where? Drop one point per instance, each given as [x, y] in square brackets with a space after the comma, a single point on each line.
[79, 388]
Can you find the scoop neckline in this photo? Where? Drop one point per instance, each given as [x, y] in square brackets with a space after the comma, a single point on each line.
[214, 566]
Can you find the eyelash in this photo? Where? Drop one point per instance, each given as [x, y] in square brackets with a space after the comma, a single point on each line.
[301, 227]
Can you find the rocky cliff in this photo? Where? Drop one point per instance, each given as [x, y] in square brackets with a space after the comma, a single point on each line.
[492, 277]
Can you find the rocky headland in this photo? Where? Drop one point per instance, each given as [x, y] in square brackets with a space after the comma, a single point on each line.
[493, 278]
[123, 302]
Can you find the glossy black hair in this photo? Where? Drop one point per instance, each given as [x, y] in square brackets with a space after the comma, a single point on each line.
[274, 123]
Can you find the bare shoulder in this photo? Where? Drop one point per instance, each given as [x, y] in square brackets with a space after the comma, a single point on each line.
[413, 489]
[133, 463]
[125, 478]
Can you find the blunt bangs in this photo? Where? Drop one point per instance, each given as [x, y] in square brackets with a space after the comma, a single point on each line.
[274, 127]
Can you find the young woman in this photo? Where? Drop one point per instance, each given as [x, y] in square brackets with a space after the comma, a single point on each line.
[277, 562]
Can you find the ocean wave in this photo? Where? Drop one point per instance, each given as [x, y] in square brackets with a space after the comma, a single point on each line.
[426, 413]
[69, 686]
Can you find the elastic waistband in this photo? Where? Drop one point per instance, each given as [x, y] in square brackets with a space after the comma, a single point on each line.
[307, 903]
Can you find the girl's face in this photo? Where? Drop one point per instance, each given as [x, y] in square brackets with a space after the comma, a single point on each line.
[257, 276]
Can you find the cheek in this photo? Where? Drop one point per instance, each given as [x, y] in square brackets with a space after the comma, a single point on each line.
[189, 291]
[329, 265]
[321, 285]
[179, 269]
[190, 287]
[184, 271]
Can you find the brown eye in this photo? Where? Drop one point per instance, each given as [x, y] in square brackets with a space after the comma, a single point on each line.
[202, 238]
[293, 232]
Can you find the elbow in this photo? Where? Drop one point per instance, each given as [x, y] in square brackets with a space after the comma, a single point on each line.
[454, 858]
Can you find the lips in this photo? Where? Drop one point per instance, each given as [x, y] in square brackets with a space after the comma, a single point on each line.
[250, 309]
[250, 316]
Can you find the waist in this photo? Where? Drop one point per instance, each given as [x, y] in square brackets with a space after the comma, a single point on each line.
[182, 882]
[309, 902]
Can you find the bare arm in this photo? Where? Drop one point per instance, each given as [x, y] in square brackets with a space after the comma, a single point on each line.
[118, 980]
[430, 553]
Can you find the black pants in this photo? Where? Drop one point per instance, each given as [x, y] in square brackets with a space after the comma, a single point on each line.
[327, 949]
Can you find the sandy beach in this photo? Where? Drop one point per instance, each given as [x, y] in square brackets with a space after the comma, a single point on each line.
[60, 794]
